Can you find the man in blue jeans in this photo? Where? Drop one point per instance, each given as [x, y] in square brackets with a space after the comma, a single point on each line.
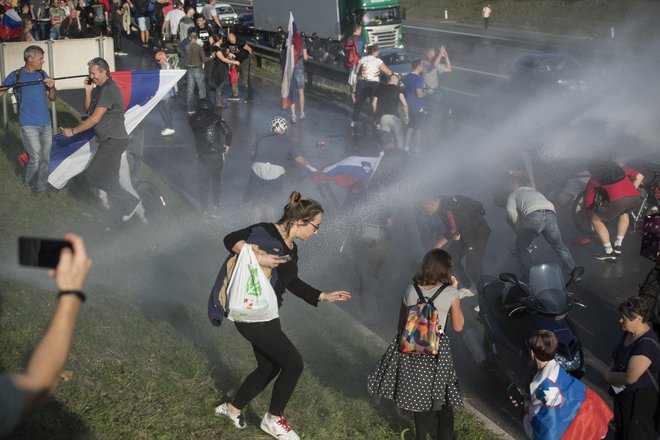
[532, 214]
[195, 58]
[33, 116]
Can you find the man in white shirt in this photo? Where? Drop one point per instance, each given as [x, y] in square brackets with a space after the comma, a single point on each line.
[172, 20]
[485, 14]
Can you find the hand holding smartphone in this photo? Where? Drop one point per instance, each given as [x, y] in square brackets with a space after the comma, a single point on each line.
[40, 252]
[515, 395]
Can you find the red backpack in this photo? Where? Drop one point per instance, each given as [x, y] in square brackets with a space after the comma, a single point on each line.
[351, 57]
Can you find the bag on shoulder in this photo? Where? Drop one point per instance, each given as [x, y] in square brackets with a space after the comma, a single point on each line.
[250, 296]
[601, 198]
[351, 56]
[422, 331]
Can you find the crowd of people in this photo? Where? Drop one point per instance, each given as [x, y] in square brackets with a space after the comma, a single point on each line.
[452, 228]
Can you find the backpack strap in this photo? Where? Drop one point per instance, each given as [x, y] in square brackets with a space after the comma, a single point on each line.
[431, 299]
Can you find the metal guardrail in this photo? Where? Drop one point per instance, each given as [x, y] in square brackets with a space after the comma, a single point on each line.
[312, 67]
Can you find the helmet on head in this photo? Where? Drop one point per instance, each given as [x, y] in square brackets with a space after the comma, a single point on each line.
[278, 122]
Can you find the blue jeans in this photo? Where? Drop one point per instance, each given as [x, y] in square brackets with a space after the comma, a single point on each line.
[529, 227]
[37, 140]
[195, 76]
[55, 33]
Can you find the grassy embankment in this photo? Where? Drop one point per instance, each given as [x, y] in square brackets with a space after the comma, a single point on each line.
[146, 363]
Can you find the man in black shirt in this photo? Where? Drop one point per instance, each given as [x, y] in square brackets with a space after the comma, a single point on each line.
[142, 13]
[212, 141]
[386, 108]
[239, 50]
[204, 33]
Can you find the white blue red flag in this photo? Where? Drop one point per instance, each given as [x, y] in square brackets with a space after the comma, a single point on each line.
[11, 24]
[142, 91]
[349, 171]
[291, 57]
[564, 408]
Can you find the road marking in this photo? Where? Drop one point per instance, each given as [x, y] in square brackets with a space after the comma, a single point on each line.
[459, 33]
[481, 72]
[460, 92]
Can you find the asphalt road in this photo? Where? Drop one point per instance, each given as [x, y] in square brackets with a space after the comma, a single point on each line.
[475, 149]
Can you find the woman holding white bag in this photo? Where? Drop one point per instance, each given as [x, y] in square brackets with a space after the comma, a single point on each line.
[277, 357]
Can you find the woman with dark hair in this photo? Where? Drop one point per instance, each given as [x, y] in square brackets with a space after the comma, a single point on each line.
[368, 71]
[559, 405]
[423, 383]
[633, 373]
[277, 357]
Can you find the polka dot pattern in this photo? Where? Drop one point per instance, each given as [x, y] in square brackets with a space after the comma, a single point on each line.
[416, 382]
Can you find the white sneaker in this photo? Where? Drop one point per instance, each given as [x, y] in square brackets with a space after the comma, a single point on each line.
[167, 132]
[302, 116]
[238, 419]
[353, 124]
[293, 119]
[278, 428]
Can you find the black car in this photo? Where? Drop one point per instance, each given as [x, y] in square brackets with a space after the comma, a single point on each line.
[547, 71]
[245, 24]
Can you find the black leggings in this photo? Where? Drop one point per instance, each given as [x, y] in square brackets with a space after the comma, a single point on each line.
[276, 357]
[363, 91]
[445, 423]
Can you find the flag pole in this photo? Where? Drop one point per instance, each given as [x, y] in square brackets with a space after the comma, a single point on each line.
[39, 81]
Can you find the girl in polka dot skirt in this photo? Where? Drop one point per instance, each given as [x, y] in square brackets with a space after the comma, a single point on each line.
[425, 384]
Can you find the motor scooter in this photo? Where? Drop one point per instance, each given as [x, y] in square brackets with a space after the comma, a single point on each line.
[510, 311]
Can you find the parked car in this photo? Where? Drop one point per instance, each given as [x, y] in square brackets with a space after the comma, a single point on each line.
[397, 60]
[547, 71]
[226, 13]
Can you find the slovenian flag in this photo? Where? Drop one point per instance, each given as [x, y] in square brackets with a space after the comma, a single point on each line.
[349, 171]
[565, 408]
[11, 24]
[142, 91]
[291, 56]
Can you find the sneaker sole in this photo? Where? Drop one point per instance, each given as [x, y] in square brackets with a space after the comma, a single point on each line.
[608, 258]
[265, 429]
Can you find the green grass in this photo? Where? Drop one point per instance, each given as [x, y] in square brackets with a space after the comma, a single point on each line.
[146, 364]
[581, 17]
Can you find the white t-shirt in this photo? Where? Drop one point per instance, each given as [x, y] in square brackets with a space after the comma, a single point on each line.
[174, 17]
[485, 13]
[432, 74]
[368, 68]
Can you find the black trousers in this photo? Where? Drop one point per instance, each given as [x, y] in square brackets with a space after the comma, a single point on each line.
[445, 423]
[363, 91]
[277, 358]
[633, 415]
[103, 173]
[116, 36]
[209, 167]
[472, 246]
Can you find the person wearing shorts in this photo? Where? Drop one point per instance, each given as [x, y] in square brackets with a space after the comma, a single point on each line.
[299, 83]
[416, 92]
[142, 12]
[622, 197]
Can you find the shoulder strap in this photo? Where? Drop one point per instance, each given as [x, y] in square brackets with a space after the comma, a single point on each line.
[653, 379]
[431, 299]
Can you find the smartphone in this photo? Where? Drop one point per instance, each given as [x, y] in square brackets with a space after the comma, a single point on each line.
[88, 81]
[285, 257]
[515, 394]
[40, 252]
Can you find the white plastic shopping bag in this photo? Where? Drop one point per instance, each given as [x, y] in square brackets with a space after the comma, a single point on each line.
[251, 297]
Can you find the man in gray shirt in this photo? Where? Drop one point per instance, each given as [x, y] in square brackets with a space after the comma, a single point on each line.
[532, 214]
[105, 106]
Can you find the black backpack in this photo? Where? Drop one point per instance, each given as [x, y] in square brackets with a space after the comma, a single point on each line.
[650, 289]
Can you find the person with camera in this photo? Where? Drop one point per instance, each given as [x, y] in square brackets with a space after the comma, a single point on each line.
[633, 373]
[33, 115]
[466, 233]
[277, 358]
[22, 393]
[611, 192]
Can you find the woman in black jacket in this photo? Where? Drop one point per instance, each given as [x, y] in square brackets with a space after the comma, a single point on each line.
[277, 357]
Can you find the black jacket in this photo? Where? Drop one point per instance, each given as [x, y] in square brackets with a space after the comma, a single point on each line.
[209, 129]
